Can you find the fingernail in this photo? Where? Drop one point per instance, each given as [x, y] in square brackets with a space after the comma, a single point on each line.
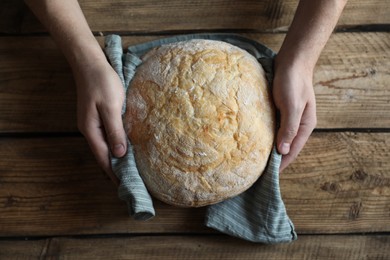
[118, 150]
[284, 148]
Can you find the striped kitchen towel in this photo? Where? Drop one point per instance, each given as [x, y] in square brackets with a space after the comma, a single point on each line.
[258, 214]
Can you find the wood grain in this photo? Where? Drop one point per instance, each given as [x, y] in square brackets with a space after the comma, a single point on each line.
[55, 202]
[198, 247]
[144, 16]
[50, 186]
[352, 81]
[36, 86]
[37, 92]
[340, 183]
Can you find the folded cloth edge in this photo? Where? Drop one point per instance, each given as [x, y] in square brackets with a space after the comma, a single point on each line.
[251, 217]
[131, 189]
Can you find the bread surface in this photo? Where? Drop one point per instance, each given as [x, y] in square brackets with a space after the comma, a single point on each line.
[201, 120]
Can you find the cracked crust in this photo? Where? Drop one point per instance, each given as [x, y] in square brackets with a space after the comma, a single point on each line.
[201, 120]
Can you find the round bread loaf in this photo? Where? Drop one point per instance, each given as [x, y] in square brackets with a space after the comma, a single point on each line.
[201, 120]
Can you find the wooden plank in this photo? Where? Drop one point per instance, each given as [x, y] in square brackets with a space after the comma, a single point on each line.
[198, 247]
[352, 81]
[176, 15]
[12, 14]
[36, 87]
[340, 183]
[53, 186]
[37, 92]
[20, 250]
[48, 186]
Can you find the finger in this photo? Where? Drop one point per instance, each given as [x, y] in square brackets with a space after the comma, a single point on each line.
[296, 147]
[289, 125]
[115, 132]
[305, 129]
[98, 145]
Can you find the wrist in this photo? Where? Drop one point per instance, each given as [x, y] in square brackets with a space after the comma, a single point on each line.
[88, 64]
[86, 56]
[293, 63]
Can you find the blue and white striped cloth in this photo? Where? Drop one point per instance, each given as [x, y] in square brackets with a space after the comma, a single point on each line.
[258, 214]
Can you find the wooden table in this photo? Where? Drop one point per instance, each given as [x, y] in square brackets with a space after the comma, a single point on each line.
[56, 203]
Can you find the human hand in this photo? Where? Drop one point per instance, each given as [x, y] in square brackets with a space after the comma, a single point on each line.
[294, 97]
[100, 96]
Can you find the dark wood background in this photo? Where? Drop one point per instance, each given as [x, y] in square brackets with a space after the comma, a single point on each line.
[56, 203]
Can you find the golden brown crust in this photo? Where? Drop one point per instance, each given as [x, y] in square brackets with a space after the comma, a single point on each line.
[201, 120]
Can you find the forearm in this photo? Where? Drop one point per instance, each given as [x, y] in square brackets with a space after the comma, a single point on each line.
[69, 29]
[293, 91]
[100, 94]
[312, 26]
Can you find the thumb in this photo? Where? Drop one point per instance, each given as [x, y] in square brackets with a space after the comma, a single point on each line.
[115, 132]
[289, 125]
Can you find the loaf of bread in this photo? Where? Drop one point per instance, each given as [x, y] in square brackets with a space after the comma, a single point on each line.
[201, 120]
